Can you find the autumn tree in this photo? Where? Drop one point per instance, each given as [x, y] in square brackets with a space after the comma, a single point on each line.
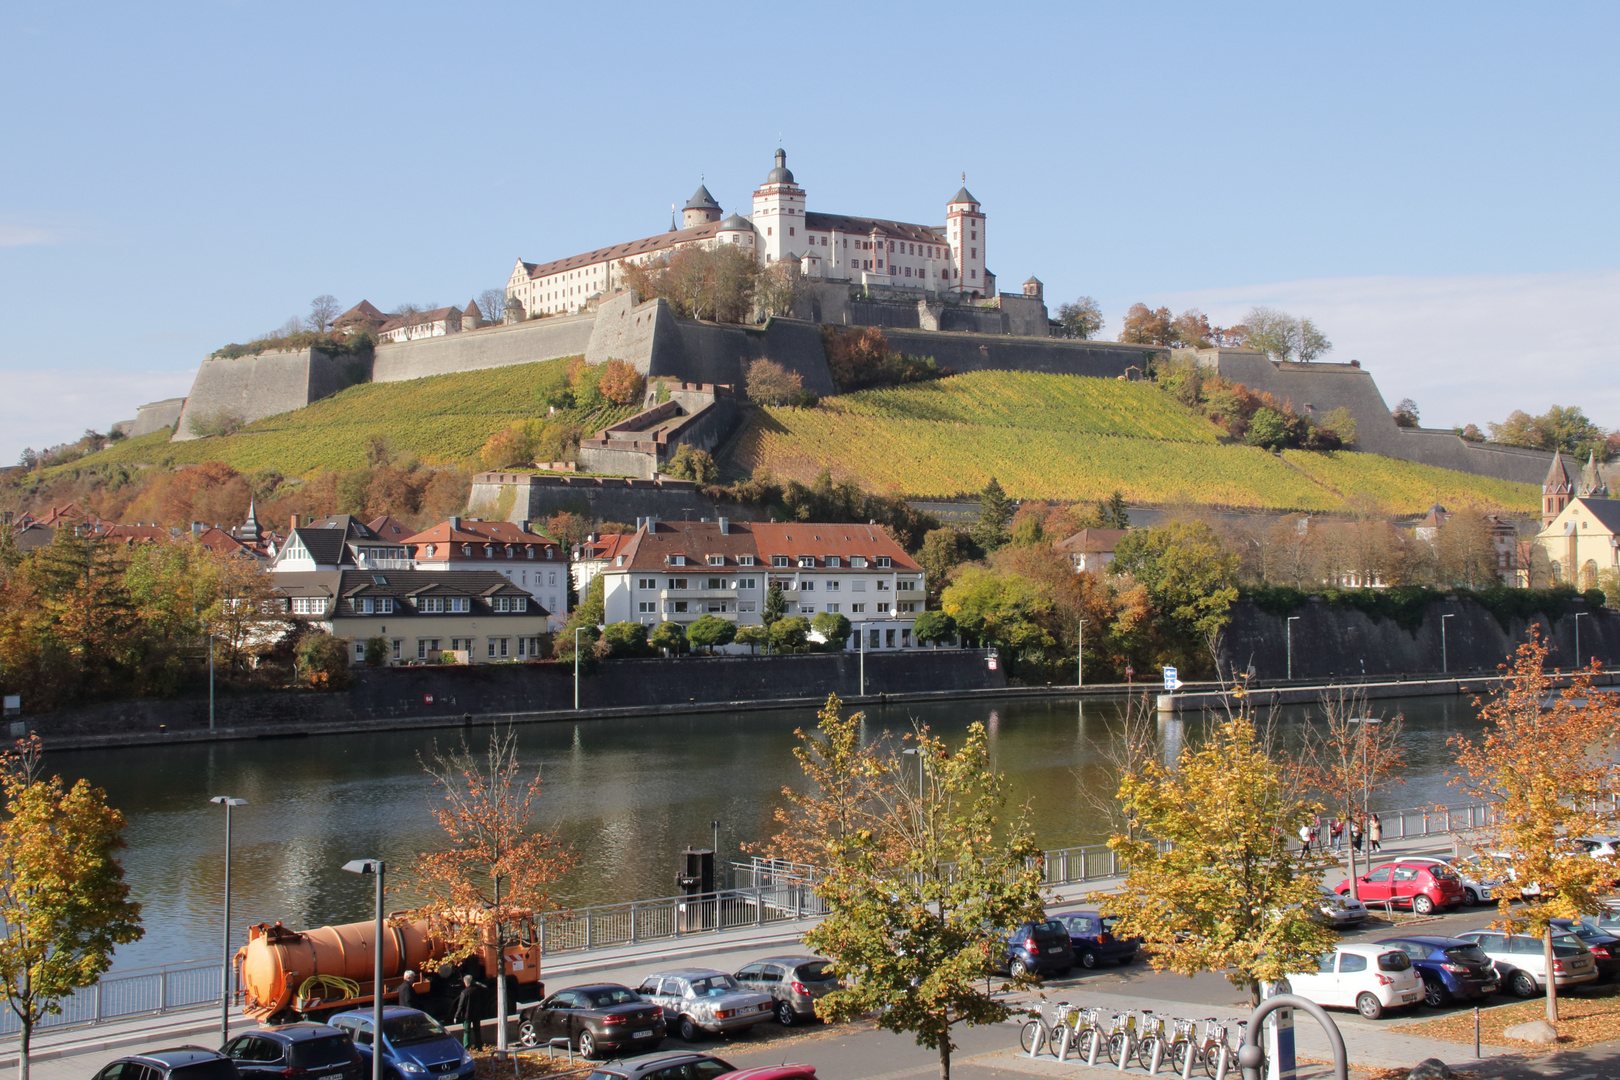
[1543, 761]
[778, 287]
[1148, 326]
[1561, 427]
[495, 866]
[1213, 884]
[693, 463]
[1281, 336]
[700, 283]
[769, 383]
[63, 899]
[1189, 576]
[1191, 330]
[1405, 413]
[621, 383]
[1352, 757]
[1082, 319]
[921, 882]
[322, 310]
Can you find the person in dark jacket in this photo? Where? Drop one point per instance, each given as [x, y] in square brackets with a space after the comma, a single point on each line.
[470, 1013]
[407, 991]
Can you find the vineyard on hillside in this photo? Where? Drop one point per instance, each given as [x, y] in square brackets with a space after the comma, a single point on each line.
[1065, 438]
[443, 419]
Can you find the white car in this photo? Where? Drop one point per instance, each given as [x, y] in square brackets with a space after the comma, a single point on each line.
[1475, 891]
[1362, 976]
[1521, 960]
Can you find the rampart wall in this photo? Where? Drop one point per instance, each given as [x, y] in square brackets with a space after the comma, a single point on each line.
[155, 416]
[489, 347]
[253, 387]
[519, 497]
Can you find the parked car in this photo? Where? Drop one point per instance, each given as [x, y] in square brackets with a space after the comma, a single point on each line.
[1606, 848]
[1521, 962]
[414, 1044]
[1092, 940]
[1422, 886]
[1338, 910]
[1451, 969]
[1037, 948]
[795, 982]
[1475, 890]
[596, 1018]
[301, 1051]
[1362, 976]
[180, 1063]
[699, 1000]
[679, 1065]
[775, 1072]
[1604, 943]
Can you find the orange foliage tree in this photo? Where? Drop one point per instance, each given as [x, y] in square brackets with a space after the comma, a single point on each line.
[621, 383]
[1543, 762]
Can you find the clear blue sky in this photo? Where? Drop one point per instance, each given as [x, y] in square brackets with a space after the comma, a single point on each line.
[180, 176]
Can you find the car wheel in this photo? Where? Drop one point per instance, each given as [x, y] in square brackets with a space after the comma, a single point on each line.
[1422, 904]
[587, 1045]
[1018, 968]
[785, 1014]
[1088, 959]
[1470, 897]
[527, 1036]
[690, 1032]
[1523, 984]
[1369, 1006]
[1435, 993]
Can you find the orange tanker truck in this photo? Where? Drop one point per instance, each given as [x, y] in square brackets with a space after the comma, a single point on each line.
[284, 975]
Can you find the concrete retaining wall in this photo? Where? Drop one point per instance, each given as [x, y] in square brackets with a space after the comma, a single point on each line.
[1342, 641]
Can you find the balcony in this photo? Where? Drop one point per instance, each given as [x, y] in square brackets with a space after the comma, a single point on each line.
[386, 564]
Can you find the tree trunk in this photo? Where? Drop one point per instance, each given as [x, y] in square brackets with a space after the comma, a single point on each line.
[22, 1049]
[944, 1060]
[1552, 985]
[1254, 993]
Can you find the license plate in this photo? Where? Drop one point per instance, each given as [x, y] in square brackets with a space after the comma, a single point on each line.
[1055, 949]
[1411, 996]
[642, 1034]
[1491, 988]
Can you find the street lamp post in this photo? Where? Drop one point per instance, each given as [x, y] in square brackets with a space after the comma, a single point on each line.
[1079, 655]
[378, 869]
[211, 692]
[1292, 619]
[1445, 662]
[225, 965]
[577, 629]
[862, 633]
[1579, 615]
[920, 755]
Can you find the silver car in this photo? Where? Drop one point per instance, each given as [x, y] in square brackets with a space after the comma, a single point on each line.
[699, 1000]
[1338, 911]
[794, 981]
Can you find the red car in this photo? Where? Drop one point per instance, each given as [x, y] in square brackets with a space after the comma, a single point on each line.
[774, 1072]
[1422, 886]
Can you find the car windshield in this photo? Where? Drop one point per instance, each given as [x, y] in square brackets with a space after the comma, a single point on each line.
[1052, 926]
[405, 1030]
[217, 1069]
[1467, 954]
[1442, 872]
[1394, 961]
[815, 971]
[617, 995]
[1568, 945]
[317, 1053]
[713, 985]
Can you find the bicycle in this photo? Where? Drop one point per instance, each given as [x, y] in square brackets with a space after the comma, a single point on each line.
[1205, 1048]
[1041, 1031]
[1150, 1042]
[1088, 1034]
[1121, 1038]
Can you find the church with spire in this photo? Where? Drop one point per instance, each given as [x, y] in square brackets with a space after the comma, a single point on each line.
[1580, 523]
[945, 260]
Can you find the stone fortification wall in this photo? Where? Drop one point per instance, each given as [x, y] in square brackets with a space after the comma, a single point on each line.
[997, 352]
[890, 316]
[519, 497]
[490, 347]
[254, 387]
[1343, 641]
[1320, 388]
[155, 416]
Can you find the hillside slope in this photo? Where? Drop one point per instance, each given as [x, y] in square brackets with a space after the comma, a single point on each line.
[1060, 437]
[443, 420]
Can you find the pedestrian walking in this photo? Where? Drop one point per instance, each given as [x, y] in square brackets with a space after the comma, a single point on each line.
[1305, 839]
[1375, 833]
[407, 991]
[1355, 835]
[470, 1012]
[1336, 834]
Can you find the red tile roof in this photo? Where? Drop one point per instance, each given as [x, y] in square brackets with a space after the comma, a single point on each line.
[469, 531]
[644, 246]
[1091, 540]
[605, 547]
[823, 539]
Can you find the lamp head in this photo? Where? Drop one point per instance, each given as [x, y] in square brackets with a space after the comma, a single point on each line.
[365, 866]
[226, 800]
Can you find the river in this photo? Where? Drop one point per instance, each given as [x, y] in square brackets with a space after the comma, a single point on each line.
[627, 794]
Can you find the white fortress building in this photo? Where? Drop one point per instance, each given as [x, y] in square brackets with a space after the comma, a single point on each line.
[937, 259]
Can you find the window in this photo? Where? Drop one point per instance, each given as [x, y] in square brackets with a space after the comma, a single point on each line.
[677, 560]
[858, 585]
[553, 577]
[717, 560]
[676, 583]
[781, 560]
[808, 585]
[874, 639]
[883, 561]
[466, 549]
[907, 585]
[646, 583]
[309, 605]
[363, 605]
[529, 553]
[359, 650]
[857, 609]
[807, 560]
[745, 560]
[834, 585]
[834, 560]
[807, 609]
[675, 607]
[747, 583]
[647, 607]
[1352, 962]
[398, 645]
[833, 608]
[717, 583]
[858, 561]
[746, 605]
[430, 604]
[425, 646]
[460, 603]
[908, 606]
[883, 609]
[882, 586]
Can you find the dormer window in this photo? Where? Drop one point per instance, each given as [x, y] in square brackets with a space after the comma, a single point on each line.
[883, 561]
[428, 551]
[508, 551]
[807, 561]
[834, 560]
[858, 561]
[745, 560]
[677, 560]
[717, 560]
[489, 551]
[466, 549]
[531, 552]
[781, 560]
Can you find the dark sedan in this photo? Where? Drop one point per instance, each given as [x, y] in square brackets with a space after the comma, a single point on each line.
[1604, 941]
[1092, 938]
[598, 1018]
[1452, 969]
[302, 1051]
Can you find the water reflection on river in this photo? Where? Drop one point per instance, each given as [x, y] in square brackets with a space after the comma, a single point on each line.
[627, 794]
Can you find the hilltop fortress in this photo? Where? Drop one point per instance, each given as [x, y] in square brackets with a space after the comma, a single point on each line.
[929, 287]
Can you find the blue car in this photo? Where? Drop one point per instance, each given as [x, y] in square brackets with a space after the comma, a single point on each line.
[415, 1047]
[1452, 969]
[1092, 938]
[1038, 948]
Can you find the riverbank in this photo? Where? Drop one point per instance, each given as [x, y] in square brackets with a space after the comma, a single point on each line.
[1267, 697]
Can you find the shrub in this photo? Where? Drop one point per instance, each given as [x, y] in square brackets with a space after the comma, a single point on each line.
[791, 634]
[933, 627]
[211, 423]
[769, 383]
[621, 383]
[690, 463]
[625, 639]
[752, 636]
[832, 626]
[864, 358]
[376, 652]
[710, 632]
[323, 662]
[668, 636]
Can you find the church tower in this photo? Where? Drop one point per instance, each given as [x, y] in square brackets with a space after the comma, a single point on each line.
[700, 209]
[1592, 484]
[779, 213]
[964, 228]
[1556, 491]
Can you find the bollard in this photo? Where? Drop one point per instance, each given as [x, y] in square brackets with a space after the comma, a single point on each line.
[1187, 1062]
[1157, 1058]
[1096, 1044]
[1476, 1031]
[1125, 1053]
[1222, 1062]
[1063, 1044]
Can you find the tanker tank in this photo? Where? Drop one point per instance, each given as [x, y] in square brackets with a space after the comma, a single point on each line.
[284, 975]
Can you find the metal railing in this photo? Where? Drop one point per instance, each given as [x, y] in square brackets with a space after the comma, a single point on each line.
[767, 892]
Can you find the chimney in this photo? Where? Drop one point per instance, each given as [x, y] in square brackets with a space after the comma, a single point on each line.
[196, 526]
[725, 526]
[640, 521]
[455, 523]
[292, 523]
